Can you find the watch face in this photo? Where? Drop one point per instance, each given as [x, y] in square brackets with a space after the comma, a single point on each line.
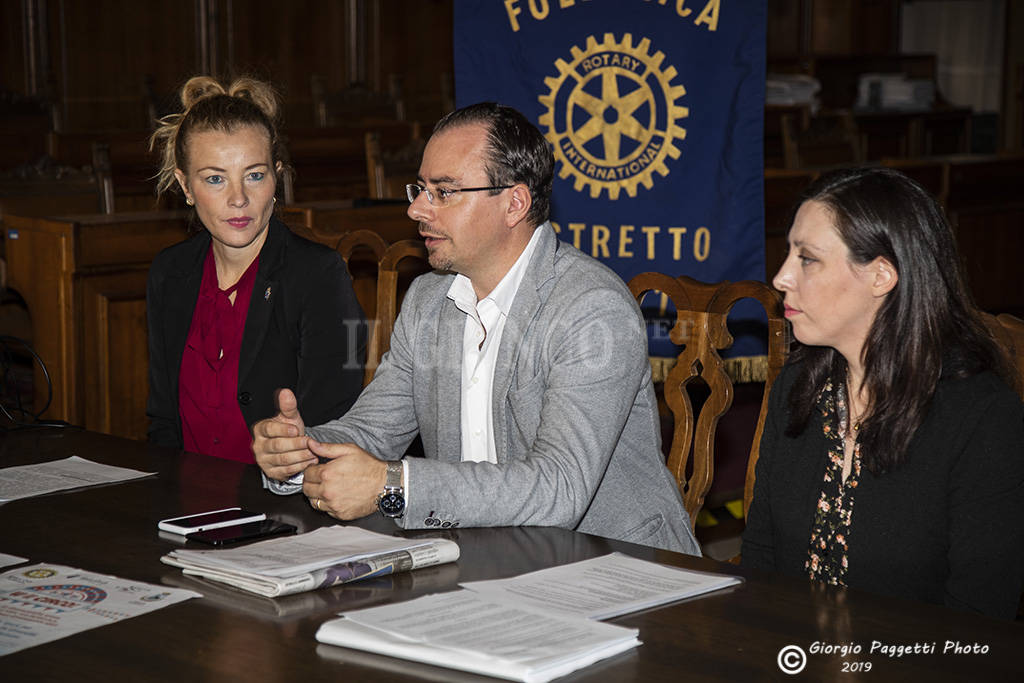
[391, 504]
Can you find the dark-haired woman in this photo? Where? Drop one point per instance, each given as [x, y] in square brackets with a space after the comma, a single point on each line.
[245, 307]
[893, 453]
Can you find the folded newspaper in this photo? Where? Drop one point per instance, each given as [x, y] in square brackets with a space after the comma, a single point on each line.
[318, 559]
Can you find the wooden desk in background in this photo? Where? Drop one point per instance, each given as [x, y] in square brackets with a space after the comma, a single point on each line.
[84, 281]
[329, 220]
[981, 197]
[83, 278]
[734, 635]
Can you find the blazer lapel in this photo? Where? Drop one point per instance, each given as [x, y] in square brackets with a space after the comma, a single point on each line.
[264, 294]
[184, 281]
[525, 307]
[447, 356]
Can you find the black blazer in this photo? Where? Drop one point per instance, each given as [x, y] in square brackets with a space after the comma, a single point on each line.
[304, 331]
[946, 527]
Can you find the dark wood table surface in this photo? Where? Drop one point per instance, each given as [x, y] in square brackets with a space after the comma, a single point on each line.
[733, 635]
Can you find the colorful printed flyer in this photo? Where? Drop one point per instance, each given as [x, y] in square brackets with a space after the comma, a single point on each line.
[45, 602]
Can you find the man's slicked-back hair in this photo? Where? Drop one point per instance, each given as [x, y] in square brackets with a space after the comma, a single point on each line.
[517, 152]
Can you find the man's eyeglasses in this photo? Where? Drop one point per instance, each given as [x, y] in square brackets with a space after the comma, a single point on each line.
[441, 197]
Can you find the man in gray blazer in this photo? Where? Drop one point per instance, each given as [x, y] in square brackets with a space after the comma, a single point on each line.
[520, 362]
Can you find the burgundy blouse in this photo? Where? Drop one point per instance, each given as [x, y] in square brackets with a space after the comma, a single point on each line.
[211, 421]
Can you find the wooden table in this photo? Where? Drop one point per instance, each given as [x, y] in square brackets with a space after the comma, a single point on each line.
[735, 635]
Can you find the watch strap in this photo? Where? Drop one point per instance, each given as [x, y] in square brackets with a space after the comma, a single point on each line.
[395, 474]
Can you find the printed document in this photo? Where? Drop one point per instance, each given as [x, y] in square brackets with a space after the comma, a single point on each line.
[470, 632]
[532, 627]
[45, 602]
[603, 587]
[7, 560]
[25, 481]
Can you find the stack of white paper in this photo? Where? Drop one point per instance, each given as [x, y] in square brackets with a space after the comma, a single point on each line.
[532, 627]
[462, 630]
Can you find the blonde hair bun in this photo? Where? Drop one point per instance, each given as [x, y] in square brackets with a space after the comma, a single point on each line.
[199, 88]
[200, 111]
[259, 93]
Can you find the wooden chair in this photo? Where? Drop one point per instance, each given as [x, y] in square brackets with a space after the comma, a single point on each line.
[300, 229]
[389, 276]
[362, 251]
[388, 171]
[358, 102]
[378, 284]
[701, 312]
[330, 220]
[330, 163]
[121, 162]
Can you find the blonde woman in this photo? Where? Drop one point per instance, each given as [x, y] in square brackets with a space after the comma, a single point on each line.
[244, 307]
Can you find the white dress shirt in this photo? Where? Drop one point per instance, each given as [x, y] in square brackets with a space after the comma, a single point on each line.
[481, 337]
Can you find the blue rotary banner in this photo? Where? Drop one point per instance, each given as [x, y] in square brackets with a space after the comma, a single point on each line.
[654, 109]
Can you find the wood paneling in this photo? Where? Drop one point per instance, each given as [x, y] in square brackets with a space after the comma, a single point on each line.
[1013, 79]
[12, 46]
[831, 27]
[987, 211]
[104, 50]
[782, 188]
[417, 43]
[991, 242]
[105, 58]
[287, 43]
[876, 26]
[84, 281]
[38, 262]
[115, 361]
[786, 29]
[854, 26]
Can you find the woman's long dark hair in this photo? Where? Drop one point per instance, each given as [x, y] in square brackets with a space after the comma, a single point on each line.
[927, 319]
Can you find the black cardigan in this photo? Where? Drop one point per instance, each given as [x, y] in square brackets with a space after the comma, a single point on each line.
[947, 527]
[304, 331]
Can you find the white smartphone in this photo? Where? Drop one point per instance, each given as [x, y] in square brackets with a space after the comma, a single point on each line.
[209, 520]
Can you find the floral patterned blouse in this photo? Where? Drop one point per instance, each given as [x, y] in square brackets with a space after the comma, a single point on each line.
[826, 555]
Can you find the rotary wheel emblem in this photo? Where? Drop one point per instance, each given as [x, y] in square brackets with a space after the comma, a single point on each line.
[611, 115]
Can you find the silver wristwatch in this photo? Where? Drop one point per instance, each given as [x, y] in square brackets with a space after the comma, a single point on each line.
[391, 501]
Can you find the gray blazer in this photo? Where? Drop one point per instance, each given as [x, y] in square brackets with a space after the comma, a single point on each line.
[575, 419]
